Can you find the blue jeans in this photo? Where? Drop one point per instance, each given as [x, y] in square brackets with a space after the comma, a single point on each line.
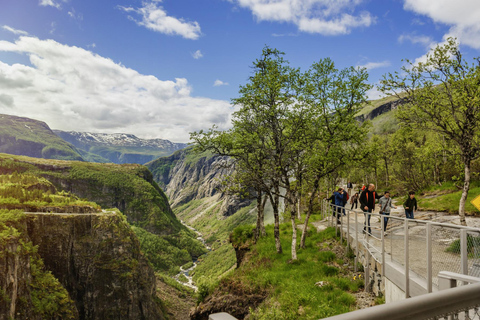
[409, 214]
[385, 220]
[367, 220]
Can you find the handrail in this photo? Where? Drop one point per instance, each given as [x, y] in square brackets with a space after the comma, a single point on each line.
[422, 307]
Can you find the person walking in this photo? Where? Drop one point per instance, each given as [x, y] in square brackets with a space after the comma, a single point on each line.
[338, 202]
[410, 205]
[349, 187]
[367, 204]
[385, 204]
[354, 201]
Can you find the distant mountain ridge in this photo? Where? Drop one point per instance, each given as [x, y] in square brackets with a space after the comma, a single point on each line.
[119, 147]
[33, 138]
[119, 139]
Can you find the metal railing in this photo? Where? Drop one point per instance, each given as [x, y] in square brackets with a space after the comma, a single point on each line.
[456, 303]
[421, 247]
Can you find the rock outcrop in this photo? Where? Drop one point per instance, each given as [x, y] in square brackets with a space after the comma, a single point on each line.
[186, 176]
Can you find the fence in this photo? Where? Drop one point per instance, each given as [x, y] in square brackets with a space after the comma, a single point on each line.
[457, 303]
[421, 248]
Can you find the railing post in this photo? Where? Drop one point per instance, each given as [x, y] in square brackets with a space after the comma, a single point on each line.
[341, 224]
[429, 258]
[382, 225]
[348, 228]
[407, 267]
[367, 270]
[464, 251]
[356, 241]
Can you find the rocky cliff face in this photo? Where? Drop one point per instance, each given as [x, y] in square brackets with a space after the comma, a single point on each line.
[185, 176]
[384, 108]
[97, 259]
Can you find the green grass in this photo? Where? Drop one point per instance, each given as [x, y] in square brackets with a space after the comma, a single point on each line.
[292, 293]
[448, 202]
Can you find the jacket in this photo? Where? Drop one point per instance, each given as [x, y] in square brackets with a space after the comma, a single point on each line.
[387, 203]
[367, 199]
[410, 204]
[338, 199]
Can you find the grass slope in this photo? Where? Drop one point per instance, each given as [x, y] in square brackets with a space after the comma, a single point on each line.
[291, 290]
[23, 136]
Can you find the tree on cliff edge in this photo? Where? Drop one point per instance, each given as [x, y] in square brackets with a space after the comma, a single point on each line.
[443, 95]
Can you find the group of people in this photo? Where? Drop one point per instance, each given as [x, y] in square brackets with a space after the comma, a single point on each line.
[367, 198]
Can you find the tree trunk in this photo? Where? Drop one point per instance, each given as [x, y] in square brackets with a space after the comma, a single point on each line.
[309, 212]
[463, 199]
[260, 228]
[294, 237]
[263, 233]
[276, 229]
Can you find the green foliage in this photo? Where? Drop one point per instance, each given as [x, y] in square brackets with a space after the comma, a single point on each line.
[50, 299]
[214, 265]
[241, 235]
[292, 293]
[473, 246]
[168, 253]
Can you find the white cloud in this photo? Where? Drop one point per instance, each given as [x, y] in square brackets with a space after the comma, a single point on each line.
[155, 18]
[51, 3]
[74, 15]
[426, 41]
[15, 31]
[219, 83]
[461, 16]
[93, 45]
[53, 27]
[375, 65]
[197, 54]
[374, 93]
[314, 16]
[71, 88]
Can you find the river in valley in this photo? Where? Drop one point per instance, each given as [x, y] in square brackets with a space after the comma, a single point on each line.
[187, 272]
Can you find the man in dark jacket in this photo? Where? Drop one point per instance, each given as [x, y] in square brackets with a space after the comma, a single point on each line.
[410, 205]
[367, 203]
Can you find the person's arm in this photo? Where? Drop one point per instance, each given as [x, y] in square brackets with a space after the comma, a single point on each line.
[415, 204]
[405, 204]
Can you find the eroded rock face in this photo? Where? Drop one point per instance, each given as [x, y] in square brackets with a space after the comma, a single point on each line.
[97, 259]
[15, 282]
[184, 180]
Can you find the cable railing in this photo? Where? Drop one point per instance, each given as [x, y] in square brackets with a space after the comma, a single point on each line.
[423, 248]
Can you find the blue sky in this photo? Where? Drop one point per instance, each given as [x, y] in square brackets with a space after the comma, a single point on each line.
[161, 69]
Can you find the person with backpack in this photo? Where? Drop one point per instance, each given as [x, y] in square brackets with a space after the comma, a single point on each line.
[367, 204]
[385, 204]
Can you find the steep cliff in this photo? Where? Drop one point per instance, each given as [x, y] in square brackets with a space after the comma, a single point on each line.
[97, 258]
[24, 136]
[187, 176]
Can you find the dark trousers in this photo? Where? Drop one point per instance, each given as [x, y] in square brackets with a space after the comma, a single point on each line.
[409, 214]
[385, 220]
[367, 220]
[355, 203]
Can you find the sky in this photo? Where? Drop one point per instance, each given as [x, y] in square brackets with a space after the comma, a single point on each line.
[165, 68]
